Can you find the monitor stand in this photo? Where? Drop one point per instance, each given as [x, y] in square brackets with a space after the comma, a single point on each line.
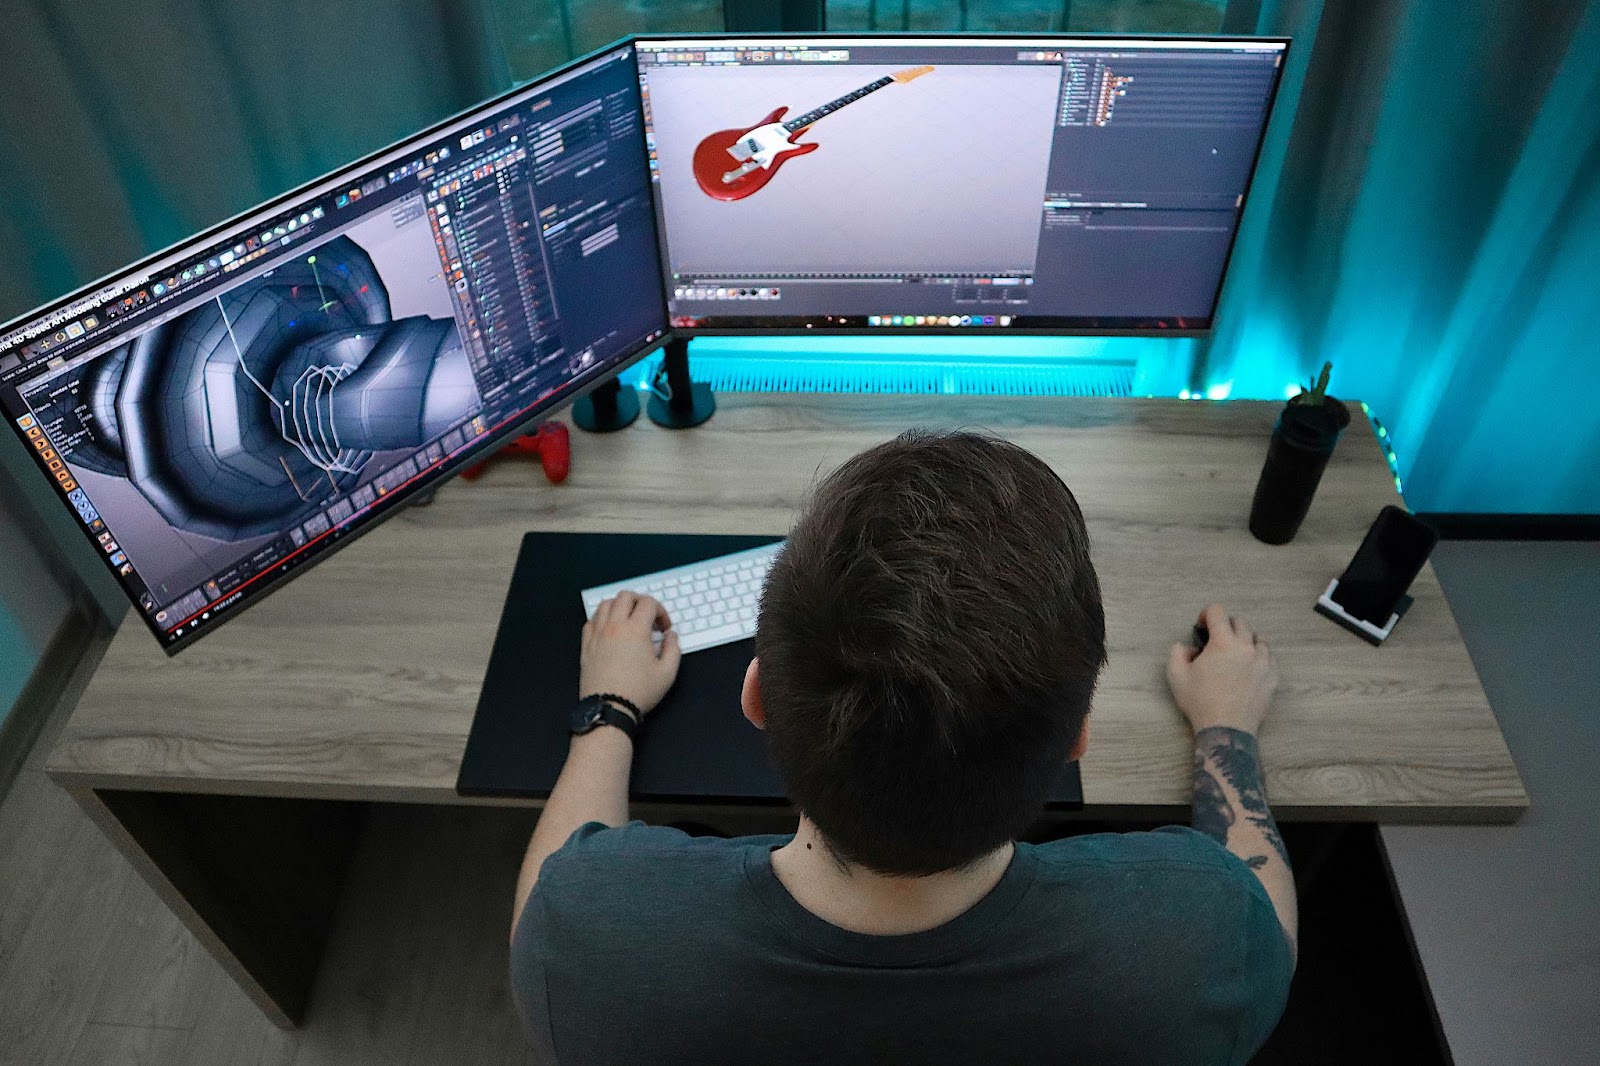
[691, 403]
[608, 408]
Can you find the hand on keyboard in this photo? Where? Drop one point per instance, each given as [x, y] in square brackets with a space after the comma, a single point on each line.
[618, 656]
[712, 602]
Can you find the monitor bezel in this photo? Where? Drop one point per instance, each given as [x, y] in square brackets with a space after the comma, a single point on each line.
[991, 331]
[271, 581]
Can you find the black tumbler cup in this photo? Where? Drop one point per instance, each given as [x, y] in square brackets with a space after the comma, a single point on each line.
[1302, 443]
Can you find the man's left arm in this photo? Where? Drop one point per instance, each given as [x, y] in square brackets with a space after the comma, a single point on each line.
[618, 658]
[593, 787]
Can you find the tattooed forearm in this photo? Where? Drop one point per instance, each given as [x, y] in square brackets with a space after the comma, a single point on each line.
[1213, 814]
[1230, 806]
[1232, 753]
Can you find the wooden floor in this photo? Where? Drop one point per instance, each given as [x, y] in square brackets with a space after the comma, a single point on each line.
[94, 969]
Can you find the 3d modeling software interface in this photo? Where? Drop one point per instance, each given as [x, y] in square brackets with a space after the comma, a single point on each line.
[856, 182]
[233, 409]
[217, 417]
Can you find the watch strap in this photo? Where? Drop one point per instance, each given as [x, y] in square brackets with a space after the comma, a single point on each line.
[604, 713]
[623, 702]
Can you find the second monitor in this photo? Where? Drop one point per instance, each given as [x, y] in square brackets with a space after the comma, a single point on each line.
[1055, 185]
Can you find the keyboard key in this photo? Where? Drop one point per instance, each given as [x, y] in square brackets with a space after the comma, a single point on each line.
[710, 638]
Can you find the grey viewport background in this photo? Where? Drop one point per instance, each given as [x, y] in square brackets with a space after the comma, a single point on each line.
[943, 174]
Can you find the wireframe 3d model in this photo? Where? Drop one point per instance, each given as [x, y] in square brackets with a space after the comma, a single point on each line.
[260, 405]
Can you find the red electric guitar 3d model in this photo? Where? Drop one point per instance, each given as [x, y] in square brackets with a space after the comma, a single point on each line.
[732, 164]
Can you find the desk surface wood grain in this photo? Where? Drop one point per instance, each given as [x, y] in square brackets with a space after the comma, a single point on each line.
[359, 680]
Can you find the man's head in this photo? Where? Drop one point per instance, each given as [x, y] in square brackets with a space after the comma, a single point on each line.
[928, 645]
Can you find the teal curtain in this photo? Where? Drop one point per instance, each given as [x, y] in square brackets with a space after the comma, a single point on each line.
[1029, 16]
[131, 126]
[540, 34]
[1433, 229]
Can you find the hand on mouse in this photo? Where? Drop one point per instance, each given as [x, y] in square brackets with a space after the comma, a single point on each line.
[1229, 683]
[618, 656]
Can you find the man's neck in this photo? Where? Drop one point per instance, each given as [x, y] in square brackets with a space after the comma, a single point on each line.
[862, 901]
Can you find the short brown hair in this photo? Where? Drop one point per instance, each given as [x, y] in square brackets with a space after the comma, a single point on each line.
[929, 641]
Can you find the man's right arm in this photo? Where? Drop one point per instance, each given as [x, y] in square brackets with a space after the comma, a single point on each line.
[1224, 692]
[1230, 806]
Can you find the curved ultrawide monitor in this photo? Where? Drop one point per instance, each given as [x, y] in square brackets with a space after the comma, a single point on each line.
[902, 183]
[234, 408]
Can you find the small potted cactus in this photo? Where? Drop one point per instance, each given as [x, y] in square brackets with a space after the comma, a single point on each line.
[1302, 443]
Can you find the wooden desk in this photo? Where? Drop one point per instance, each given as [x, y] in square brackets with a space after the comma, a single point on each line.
[219, 772]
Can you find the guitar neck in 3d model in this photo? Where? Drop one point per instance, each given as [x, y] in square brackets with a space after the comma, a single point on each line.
[731, 164]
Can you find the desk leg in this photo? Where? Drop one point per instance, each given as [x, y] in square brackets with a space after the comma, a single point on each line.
[255, 879]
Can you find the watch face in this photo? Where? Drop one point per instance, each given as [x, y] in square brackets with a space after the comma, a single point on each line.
[585, 718]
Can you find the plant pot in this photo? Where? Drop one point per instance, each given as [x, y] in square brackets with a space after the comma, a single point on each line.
[1302, 443]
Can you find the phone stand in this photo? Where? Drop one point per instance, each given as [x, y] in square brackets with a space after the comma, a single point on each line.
[1362, 628]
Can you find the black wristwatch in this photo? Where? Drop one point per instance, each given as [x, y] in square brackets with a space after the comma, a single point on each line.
[604, 709]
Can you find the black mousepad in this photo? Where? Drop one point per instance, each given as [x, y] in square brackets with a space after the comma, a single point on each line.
[695, 746]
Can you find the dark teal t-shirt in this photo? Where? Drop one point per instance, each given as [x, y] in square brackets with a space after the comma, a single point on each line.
[644, 945]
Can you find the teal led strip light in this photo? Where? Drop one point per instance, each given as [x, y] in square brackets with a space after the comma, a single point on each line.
[1387, 443]
[797, 373]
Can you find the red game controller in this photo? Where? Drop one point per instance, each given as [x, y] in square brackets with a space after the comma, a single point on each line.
[550, 442]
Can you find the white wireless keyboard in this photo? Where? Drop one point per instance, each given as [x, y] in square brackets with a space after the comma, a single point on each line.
[711, 603]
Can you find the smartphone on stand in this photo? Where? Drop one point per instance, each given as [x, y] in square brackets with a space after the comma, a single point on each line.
[1370, 596]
